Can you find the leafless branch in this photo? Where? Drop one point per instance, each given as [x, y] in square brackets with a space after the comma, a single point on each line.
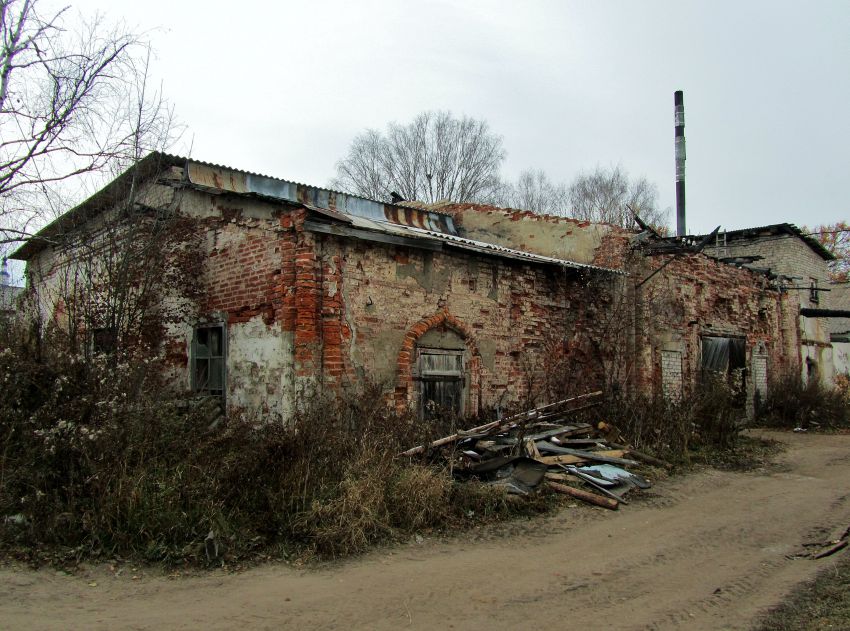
[435, 157]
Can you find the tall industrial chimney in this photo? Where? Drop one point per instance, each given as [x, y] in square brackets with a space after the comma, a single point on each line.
[679, 122]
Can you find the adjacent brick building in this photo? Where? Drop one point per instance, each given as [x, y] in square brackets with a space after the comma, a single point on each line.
[274, 289]
[801, 263]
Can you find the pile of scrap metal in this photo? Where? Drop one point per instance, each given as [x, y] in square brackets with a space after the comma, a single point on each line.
[543, 447]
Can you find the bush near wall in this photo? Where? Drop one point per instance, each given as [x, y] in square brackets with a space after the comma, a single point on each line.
[791, 402]
[95, 462]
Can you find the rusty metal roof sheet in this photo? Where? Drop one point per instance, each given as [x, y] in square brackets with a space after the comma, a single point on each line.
[220, 178]
[472, 245]
[406, 219]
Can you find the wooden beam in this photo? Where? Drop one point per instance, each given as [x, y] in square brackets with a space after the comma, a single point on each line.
[646, 458]
[614, 456]
[585, 496]
[493, 427]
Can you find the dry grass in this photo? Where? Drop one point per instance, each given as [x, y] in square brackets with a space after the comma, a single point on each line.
[821, 604]
[97, 463]
[793, 403]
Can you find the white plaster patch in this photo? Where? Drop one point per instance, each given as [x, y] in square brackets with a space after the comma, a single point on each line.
[257, 368]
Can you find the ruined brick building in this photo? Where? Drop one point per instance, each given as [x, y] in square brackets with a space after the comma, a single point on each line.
[270, 289]
[801, 262]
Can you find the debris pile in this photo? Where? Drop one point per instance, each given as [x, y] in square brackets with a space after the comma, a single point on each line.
[543, 447]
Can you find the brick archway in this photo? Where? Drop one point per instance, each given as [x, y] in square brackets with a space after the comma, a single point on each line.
[404, 391]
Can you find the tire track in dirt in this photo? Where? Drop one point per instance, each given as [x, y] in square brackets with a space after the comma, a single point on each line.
[704, 551]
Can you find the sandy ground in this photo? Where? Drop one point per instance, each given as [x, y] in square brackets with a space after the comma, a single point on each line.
[704, 551]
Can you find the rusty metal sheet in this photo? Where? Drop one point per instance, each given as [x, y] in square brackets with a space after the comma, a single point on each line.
[419, 218]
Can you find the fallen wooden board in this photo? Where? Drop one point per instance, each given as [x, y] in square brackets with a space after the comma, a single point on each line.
[565, 430]
[585, 496]
[614, 456]
[639, 455]
[554, 417]
[581, 442]
[831, 550]
[495, 427]
[561, 477]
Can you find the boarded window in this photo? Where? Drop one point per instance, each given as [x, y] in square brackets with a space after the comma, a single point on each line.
[441, 381]
[208, 359]
[671, 374]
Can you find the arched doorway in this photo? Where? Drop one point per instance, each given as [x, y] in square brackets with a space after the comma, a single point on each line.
[439, 361]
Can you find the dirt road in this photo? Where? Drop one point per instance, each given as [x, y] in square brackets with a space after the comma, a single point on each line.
[706, 551]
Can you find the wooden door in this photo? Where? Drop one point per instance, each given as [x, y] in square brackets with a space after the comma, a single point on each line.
[441, 381]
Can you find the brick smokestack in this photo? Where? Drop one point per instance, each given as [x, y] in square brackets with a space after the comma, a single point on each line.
[679, 122]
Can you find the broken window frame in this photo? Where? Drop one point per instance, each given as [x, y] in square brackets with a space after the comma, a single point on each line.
[728, 357]
[211, 356]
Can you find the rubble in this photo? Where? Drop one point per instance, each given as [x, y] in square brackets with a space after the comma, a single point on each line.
[546, 447]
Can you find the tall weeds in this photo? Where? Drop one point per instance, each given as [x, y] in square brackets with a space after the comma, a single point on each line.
[96, 460]
[792, 402]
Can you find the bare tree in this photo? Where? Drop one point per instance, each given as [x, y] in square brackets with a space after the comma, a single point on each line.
[534, 191]
[435, 157]
[607, 195]
[69, 106]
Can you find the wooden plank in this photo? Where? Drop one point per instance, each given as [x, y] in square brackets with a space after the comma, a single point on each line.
[613, 456]
[565, 430]
[582, 442]
[494, 426]
[536, 412]
[585, 496]
[832, 550]
[561, 477]
[554, 417]
[531, 449]
[638, 455]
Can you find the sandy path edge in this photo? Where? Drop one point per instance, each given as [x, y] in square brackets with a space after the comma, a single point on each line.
[706, 551]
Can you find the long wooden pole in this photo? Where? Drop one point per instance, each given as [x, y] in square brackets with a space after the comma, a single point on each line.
[494, 425]
[585, 496]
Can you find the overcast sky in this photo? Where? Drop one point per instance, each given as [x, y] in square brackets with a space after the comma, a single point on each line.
[281, 88]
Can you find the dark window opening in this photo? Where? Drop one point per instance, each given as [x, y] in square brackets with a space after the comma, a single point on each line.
[726, 357]
[208, 356]
[811, 370]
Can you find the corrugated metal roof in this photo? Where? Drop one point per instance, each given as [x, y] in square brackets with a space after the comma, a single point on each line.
[472, 245]
[219, 178]
[404, 219]
[491, 248]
